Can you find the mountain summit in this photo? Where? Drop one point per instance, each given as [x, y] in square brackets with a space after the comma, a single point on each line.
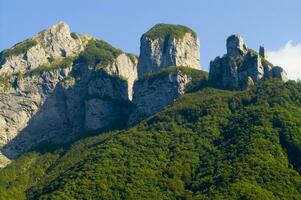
[81, 119]
[56, 42]
[168, 45]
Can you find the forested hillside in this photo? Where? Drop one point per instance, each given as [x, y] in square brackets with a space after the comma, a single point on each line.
[210, 144]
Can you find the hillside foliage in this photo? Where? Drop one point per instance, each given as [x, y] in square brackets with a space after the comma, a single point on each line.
[210, 144]
[98, 52]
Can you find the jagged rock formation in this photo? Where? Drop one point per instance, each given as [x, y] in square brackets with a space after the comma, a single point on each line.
[59, 85]
[52, 101]
[168, 45]
[242, 67]
[164, 49]
[56, 42]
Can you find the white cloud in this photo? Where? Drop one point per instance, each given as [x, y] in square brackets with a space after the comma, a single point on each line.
[288, 57]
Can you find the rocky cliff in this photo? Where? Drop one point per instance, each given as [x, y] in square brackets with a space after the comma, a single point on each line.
[60, 86]
[168, 45]
[168, 63]
[242, 67]
[156, 91]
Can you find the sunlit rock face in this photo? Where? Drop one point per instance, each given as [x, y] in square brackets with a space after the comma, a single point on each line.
[56, 42]
[168, 45]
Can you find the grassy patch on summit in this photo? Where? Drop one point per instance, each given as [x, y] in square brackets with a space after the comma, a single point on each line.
[98, 53]
[162, 31]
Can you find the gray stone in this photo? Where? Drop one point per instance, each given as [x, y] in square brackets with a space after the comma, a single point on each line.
[263, 52]
[153, 95]
[159, 53]
[241, 67]
[279, 73]
[55, 42]
[58, 105]
[236, 46]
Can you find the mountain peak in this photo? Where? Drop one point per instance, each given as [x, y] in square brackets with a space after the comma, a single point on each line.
[60, 27]
[55, 42]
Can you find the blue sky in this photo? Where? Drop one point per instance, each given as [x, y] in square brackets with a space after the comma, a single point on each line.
[272, 23]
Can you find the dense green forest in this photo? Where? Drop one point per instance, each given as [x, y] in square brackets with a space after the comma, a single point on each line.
[210, 144]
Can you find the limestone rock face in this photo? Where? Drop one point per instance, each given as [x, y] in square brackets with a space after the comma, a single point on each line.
[62, 102]
[171, 48]
[154, 94]
[241, 67]
[33, 108]
[55, 42]
[56, 105]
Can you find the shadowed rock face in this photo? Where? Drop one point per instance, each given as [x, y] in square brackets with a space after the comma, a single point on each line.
[154, 94]
[157, 51]
[241, 67]
[57, 105]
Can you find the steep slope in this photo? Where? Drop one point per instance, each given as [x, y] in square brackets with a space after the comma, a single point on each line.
[212, 144]
[78, 84]
[59, 83]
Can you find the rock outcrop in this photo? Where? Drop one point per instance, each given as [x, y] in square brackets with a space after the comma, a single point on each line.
[242, 67]
[46, 102]
[56, 42]
[168, 45]
[152, 94]
[165, 52]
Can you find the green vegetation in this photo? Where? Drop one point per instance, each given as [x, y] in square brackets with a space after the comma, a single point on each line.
[98, 54]
[20, 48]
[162, 31]
[74, 35]
[133, 57]
[198, 78]
[211, 144]
[23, 174]
[67, 62]
[264, 61]
[5, 82]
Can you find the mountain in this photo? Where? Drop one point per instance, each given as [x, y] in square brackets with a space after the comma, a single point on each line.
[59, 83]
[95, 122]
[51, 87]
